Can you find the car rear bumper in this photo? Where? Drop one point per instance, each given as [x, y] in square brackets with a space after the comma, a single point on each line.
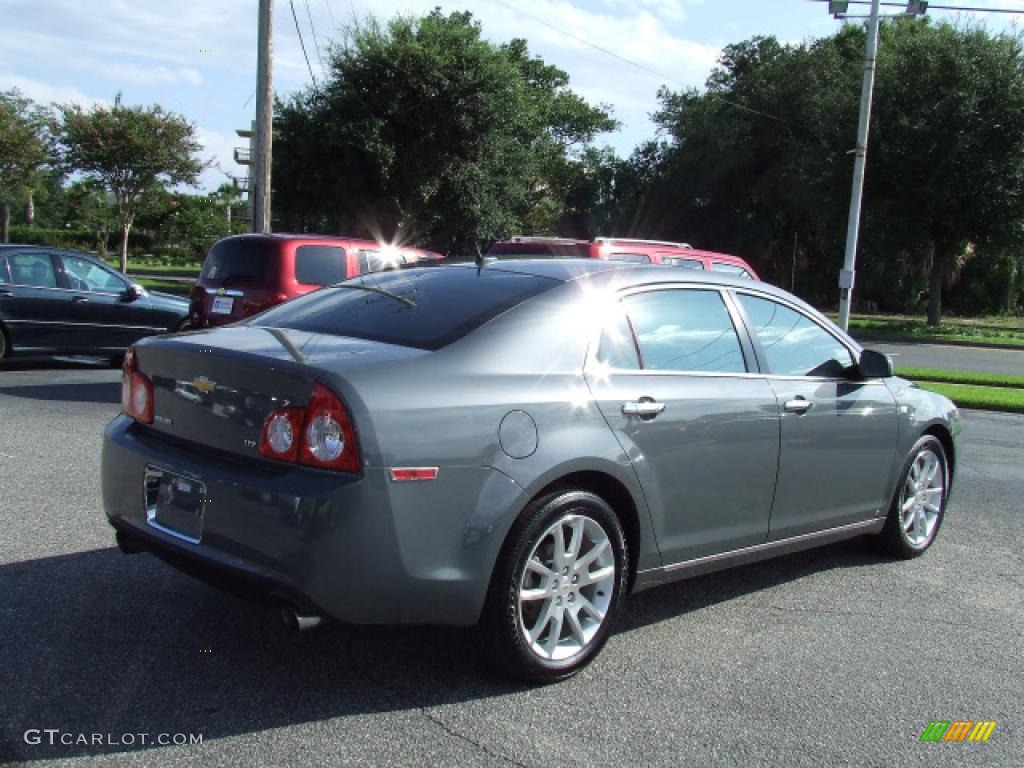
[358, 549]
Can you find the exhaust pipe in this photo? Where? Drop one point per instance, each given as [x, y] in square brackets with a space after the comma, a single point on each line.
[297, 621]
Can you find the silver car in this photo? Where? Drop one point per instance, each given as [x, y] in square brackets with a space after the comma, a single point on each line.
[517, 446]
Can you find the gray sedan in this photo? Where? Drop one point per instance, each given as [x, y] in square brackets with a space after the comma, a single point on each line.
[516, 445]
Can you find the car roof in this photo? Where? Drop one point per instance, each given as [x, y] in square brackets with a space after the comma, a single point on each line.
[47, 248]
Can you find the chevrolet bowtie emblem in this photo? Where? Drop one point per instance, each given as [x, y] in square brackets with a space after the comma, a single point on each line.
[204, 385]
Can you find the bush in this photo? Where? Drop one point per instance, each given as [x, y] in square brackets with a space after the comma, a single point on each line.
[81, 239]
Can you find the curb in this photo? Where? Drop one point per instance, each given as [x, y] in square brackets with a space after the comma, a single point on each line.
[940, 342]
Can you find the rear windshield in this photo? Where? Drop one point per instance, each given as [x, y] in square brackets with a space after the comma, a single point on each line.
[541, 250]
[422, 308]
[238, 259]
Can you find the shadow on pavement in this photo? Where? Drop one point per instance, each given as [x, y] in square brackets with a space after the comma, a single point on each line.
[98, 642]
[69, 392]
[57, 363]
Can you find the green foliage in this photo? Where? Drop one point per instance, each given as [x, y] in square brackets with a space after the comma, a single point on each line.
[132, 152]
[25, 149]
[78, 239]
[423, 124]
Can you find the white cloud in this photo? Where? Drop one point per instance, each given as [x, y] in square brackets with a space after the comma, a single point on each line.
[46, 93]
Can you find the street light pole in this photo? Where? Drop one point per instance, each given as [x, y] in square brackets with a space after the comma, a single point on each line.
[846, 277]
[259, 190]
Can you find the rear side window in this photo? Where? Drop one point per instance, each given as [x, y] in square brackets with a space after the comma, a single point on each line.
[423, 308]
[240, 258]
[679, 261]
[685, 330]
[618, 348]
[631, 258]
[793, 343]
[35, 269]
[730, 269]
[319, 264]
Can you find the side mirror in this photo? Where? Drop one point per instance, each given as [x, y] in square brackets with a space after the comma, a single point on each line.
[874, 365]
[133, 292]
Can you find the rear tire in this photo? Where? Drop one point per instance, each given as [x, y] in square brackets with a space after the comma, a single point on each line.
[5, 348]
[919, 503]
[557, 588]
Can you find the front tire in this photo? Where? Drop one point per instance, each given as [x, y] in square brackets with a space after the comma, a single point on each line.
[4, 346]
[557, 588]
[919, 503]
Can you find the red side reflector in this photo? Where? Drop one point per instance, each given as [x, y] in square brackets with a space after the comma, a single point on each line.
[408, 474]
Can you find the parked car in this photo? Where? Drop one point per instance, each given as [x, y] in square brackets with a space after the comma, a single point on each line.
[623, 249]
[246, 274]
[578, 429]
[55, 301]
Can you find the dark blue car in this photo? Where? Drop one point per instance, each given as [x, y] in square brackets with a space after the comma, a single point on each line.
[56, 301]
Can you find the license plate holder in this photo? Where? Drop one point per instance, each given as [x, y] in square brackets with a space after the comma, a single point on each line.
[222, 305]
[175, 503]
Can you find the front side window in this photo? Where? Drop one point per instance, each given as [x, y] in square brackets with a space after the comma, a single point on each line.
[34, 269]
[377, 261]
[86, 275]
[319, 264]
[793, 344]
[685, 330]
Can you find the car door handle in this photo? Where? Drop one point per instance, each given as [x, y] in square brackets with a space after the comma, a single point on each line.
[79, 300]
[6, 294]
[799, 405]
[644, 407]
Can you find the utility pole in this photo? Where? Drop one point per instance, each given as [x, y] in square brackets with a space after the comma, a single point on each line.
[839, 8]
[846, 277]
[260, 178]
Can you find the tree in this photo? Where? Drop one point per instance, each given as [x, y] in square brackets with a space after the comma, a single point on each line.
[760, 158]
[25, 151]
[422, 123]
[132, 152]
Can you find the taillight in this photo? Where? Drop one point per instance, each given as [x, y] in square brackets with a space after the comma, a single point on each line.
[319, 435]
[136, 390]
[282, 431]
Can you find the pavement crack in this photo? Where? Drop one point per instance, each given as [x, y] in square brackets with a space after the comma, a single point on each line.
[469, 739]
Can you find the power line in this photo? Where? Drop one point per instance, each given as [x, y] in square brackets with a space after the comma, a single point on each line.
[312, 28]
[643, 67]
[330, 13]
[298, 31]
[933, 7]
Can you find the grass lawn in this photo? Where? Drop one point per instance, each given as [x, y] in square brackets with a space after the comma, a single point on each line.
[961, 377]
[986, 398]
[1010, 332]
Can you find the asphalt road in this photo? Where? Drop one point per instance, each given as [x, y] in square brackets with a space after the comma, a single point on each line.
[837, 656]
[981, 359]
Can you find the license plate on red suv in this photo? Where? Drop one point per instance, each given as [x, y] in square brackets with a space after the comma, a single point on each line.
[222, 305]
[174, 503]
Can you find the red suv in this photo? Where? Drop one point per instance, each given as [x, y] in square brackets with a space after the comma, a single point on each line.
[245, 274]
[624, 249]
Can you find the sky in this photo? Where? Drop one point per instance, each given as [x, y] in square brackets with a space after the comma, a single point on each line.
[198, 57]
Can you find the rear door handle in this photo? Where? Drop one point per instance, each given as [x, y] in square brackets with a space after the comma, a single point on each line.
[799, 405]
[6, 294]
[79, 300]
[645, 407]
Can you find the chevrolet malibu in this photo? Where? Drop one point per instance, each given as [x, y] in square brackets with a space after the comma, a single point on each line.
[516, 445]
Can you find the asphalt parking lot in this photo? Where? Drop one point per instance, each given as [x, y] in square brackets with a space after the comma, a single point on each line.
[837, 656]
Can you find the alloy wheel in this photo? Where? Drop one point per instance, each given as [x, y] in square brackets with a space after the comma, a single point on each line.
[566, 587]
[921, 498]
